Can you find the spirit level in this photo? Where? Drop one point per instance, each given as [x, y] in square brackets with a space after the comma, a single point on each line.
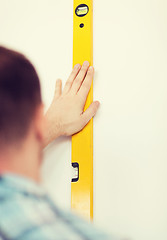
[82, 142]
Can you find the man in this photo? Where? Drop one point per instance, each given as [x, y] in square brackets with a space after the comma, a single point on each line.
[26, 212]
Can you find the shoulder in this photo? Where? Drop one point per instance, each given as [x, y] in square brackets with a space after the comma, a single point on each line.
[24, 214]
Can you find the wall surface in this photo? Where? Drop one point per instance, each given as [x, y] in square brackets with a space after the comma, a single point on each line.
[130, 129]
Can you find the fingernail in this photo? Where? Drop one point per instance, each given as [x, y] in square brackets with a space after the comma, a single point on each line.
[77, 66]
[91, 68]
[98, 104]
[86, 63]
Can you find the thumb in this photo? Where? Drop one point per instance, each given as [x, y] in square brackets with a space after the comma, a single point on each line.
[91, 111]
[58, 88]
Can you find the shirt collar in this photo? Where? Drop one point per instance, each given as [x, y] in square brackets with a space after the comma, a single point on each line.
[22, 184]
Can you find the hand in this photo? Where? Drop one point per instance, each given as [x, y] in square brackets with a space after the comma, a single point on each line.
[66, 114]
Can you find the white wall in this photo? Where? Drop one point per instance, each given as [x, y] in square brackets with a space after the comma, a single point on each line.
[130, 129]
[43, 31]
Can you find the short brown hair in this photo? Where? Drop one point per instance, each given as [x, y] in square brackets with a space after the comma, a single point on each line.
[19, 95]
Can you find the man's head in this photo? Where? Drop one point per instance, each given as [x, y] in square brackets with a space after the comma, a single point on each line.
[19, 96]
[22, 123]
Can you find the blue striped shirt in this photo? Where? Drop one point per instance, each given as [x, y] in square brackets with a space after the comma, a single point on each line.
[27, 213]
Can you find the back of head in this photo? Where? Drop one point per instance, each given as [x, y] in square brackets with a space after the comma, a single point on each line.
[19, 96]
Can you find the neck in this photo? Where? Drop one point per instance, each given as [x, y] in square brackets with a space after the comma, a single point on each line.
[23, 159]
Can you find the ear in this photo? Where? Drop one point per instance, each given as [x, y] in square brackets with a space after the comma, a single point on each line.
[39, 123]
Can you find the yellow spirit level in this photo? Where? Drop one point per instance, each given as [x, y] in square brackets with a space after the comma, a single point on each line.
[82, 142]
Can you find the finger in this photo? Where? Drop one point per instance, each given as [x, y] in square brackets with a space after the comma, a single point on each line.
[80, 77]
[71, 78]
[58, 88]
[86, 85]
[90, 112]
